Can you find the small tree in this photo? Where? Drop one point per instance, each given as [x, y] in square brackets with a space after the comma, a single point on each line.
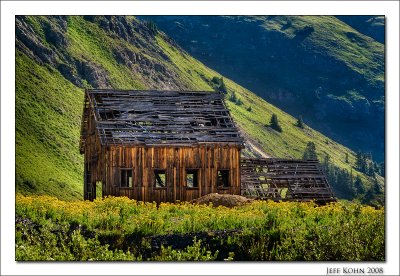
[382, 169]
[273, 123]
[326, 164]
[219, 85]
[300, 122]
[310, 152]
[358, 184]
[233, 97]
[249, 109]
[361, 162]
[369, 196]
[370, 169]
[222, 86]
[377, 187]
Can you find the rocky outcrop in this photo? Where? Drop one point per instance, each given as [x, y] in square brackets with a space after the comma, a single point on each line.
[56, 33]
[28, 42]
[93, 73]
[49, 45]
[70, 73]
[153, 71]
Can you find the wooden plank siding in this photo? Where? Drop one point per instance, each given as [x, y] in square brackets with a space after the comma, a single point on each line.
[175, 161]
[95, 158]
[104, 163]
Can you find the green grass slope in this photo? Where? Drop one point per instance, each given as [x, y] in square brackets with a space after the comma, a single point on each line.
[48, 111]
[57, 56]
[315, 66]
[358, 52]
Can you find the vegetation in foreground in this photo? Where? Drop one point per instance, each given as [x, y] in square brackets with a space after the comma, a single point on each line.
[116, 228]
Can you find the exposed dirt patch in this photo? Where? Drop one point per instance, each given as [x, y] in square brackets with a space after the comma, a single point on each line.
[252, 146]
[222, 200]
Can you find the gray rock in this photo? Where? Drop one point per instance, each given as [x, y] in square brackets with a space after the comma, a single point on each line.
[93, 73]
[27, 36]
[70, 74]
[55, 36]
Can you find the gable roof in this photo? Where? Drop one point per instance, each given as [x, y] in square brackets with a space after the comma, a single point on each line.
[149, 117]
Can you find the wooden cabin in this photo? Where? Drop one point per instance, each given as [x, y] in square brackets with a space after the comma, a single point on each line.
[159, 145]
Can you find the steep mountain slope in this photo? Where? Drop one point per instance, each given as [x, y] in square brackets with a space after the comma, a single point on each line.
[57, 56]
[314, 66]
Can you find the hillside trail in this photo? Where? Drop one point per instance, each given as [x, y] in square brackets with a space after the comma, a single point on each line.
[253, 146]
[255, 149]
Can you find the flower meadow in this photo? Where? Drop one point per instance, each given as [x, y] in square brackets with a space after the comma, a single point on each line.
[117, 228]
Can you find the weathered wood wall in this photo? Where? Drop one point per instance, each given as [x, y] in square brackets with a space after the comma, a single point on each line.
[94, 161]
[104, 163]
[175, 161]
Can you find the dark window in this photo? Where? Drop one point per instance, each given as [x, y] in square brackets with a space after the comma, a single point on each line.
[192, 178]
[223, 179]
[126, 178]
[160, 179]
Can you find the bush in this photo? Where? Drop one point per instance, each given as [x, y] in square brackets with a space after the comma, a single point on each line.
[194, 252]
[235, 99]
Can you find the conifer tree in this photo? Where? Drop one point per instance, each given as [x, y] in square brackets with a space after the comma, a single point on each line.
[377, 187]
[273, 123]
[222, 86]
[358, 184]
[300, 122]
[310, 152]
[326, 163]
[382, 169]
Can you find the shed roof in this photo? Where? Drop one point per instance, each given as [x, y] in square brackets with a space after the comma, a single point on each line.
[149, 117]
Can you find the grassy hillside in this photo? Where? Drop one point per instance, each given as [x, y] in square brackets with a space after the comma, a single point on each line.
[358, 52]
[48, 111]
[58, 56]
[315, 66]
